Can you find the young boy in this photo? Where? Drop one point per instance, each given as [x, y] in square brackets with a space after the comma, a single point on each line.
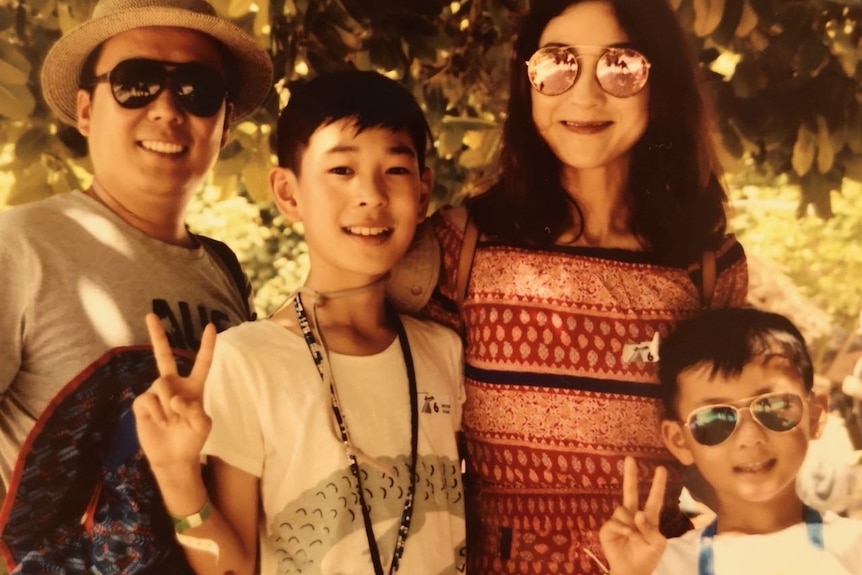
[333, 421]
[736, 386]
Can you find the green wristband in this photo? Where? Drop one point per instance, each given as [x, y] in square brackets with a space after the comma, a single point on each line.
[194, 520]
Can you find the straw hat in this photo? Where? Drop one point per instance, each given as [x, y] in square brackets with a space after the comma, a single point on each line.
[62, 68]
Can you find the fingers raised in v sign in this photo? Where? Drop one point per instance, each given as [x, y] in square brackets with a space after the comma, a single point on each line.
[631, 538]
[655, 499]
[167, 365]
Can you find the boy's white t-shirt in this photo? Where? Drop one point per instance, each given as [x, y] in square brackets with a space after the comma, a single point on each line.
[272, 417]
[786, 552]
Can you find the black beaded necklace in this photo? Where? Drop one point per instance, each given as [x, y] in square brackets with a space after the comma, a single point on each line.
[318, 354]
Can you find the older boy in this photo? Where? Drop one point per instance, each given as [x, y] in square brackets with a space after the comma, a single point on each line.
[335, 417]
[153, 85]
[737, 391]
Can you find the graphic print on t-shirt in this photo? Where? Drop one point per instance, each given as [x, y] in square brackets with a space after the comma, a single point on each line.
[311, 527]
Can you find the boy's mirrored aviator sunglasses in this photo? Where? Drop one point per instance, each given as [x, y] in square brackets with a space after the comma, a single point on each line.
[713, 424]
[621, 72]
[199, 89]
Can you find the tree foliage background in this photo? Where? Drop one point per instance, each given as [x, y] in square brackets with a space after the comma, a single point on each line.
[784, 77]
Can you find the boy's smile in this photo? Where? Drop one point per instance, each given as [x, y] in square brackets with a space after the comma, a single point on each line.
[754, 464]
[368, 232]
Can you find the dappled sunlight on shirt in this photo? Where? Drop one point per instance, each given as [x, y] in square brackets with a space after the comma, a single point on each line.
[105, 315]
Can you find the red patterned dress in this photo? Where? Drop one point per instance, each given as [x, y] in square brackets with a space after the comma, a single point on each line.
[561, 385]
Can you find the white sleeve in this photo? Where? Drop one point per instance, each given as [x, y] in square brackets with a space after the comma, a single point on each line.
[230, 399]
[458, 392]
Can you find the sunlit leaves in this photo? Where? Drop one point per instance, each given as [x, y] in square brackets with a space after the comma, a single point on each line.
[16, 99]
[783, 78]
[818, 254]
[707, 16]
[793, 89]
[32, 144]
[803, 150]
[747, 20]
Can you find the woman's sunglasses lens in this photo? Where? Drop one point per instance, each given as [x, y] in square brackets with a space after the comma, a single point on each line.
[780, 412]
[712, 425]
[552, 71]
[622, 73]
[135, 83]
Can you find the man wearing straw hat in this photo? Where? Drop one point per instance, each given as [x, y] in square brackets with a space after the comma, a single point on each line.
[153, 85]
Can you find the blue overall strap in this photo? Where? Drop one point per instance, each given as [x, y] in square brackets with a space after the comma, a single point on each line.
[814, 523]
[706, 557]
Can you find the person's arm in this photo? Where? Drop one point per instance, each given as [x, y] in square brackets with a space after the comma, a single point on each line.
[219, 529]
[16, 280]
[226, 541]
[631, 540]
[443, 307]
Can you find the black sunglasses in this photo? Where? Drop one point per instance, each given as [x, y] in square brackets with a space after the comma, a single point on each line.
[714, 424]
[621, 72]
[199, 89]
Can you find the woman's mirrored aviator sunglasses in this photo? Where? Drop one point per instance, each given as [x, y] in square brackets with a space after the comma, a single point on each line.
[621, 72]
[713, 424]
[199, 89]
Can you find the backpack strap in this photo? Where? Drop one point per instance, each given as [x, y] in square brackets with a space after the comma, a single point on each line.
[465, 260]
[230, 262]
[707, 274]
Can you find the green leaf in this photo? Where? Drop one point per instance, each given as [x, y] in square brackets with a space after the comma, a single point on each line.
[765, 9]
[237, 8]
[328, 37]
[39, 5]
[14, 67]
[731, 142]
[255, 175]
[853, 130]
[747, 21]
[825, 148]
[7, 17]
[231, 159]
[31, 184]
[31, 144]
[812, 57]
[16, 101]
[386, 55]
[450, 141]
[227, 184]
[73, 13]
[803, 150]
[816, 191]
[726, 30]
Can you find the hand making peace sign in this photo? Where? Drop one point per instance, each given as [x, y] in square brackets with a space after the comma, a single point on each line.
[171, 422]
[631, 538]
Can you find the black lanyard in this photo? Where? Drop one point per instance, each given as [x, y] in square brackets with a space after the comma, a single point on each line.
[317, 353]
[706, 559]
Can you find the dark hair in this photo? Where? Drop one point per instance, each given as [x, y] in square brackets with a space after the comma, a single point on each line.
[677, 203]
[370, 99]
[726, 340]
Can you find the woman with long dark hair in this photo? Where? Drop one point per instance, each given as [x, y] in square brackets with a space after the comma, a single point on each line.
[606, 228]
